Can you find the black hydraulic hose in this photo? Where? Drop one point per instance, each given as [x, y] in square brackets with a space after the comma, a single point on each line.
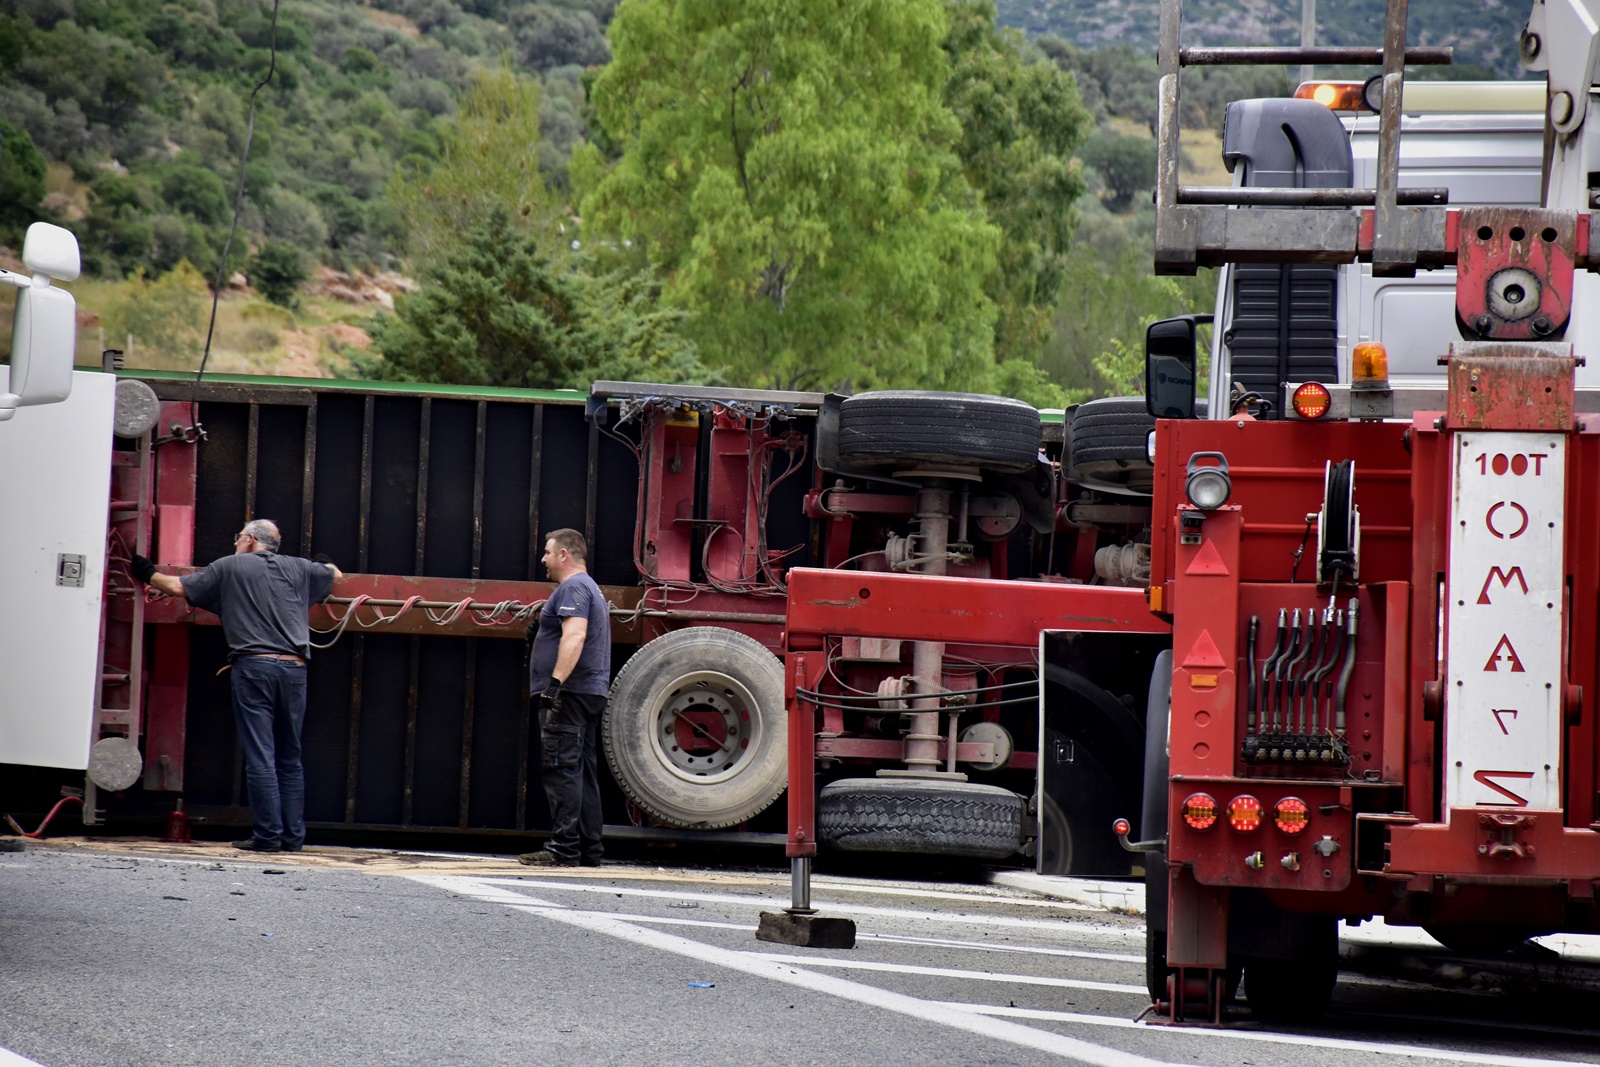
[1282, 674]
[1349, 667]
[1323, 668]
[1309, 655]
[1270, 664]
[1250, 675]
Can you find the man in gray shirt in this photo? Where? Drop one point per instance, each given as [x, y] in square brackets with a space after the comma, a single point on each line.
[263, 599]
[569, 675]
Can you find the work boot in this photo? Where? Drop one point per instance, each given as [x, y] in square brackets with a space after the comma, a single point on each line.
[251, 844]
[545, 858]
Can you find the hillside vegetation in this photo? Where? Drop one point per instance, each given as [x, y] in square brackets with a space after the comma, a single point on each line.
[896, 193]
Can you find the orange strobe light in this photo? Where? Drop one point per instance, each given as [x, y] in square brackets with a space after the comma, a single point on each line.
[1311, 400]
[1244, 813]
[1340, 96]
[1291, 815]
[1369, 362]
[1199, 811]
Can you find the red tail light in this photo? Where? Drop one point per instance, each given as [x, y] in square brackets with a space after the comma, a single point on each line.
[1244, 813]
[1291, 815]
[1199, 811]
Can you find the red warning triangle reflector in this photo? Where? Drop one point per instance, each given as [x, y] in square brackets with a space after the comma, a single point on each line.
[1204, 653]
[1207, 561]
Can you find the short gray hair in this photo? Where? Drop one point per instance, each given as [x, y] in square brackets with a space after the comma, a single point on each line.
[265, 532]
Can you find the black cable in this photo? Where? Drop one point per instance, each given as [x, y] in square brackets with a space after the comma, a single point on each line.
[238, 207]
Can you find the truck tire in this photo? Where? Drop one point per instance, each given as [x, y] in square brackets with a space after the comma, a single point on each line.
[1106, 442]
[1055, 839]
[904, 427]
[916, 815]
[695, 728]
[1296, 990]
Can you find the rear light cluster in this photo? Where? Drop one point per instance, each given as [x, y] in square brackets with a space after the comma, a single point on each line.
[1244, 813]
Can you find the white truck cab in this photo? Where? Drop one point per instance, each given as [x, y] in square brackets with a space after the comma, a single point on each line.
[55, 471]
[1279, 325]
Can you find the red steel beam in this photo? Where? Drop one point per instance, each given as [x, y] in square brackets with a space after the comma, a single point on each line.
[926, 607]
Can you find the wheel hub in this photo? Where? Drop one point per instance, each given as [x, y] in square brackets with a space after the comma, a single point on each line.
[705, 727]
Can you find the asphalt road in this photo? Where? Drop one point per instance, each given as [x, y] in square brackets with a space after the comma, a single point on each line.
[132, 954]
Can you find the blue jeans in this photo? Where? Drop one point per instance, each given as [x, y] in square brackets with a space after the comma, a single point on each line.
[269, 706]
[570, 764]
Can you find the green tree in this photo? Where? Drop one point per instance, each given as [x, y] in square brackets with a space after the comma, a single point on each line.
[1021, 121]
[501, 312]
[278, 270]
[1127, 166]
[790, 167]
[22, 171]
[488, 160]
[166, 318]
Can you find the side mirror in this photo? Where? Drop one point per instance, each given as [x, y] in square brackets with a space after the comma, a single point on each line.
[52, 251]
[44, 335]
[1169, 367]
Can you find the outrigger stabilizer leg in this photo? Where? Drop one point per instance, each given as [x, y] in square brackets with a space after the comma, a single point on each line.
[799, 924]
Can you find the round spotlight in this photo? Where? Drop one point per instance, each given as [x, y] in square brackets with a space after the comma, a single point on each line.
[1208, 488]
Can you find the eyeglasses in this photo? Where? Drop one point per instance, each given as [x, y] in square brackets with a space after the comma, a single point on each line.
[243, 537]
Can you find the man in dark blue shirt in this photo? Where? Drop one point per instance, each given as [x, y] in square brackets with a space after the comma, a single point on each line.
[262, 598]
[569, 674]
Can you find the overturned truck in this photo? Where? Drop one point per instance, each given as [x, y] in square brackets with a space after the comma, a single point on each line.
[697, 504]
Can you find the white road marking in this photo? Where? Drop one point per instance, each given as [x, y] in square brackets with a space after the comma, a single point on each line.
[788, 970]
[867, 886]
[778, 904]
[792, 974]
[1382, 1048]
[950, 972]
[11, 1059]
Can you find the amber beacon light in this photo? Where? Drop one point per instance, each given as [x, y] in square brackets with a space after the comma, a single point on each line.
[1339, 96]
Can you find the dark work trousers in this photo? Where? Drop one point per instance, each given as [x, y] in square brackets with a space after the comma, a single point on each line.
[269, 706]
[571, 771]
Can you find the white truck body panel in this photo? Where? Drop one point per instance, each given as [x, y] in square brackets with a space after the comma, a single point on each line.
[1504, 621]
[55, 483]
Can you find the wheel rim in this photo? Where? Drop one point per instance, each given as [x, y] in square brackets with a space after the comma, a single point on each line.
[706, 728]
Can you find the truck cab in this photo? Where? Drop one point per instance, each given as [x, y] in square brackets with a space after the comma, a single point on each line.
[1282, 323]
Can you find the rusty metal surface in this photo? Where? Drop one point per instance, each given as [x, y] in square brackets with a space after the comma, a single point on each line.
[1510, 387]
[1204, 57]
[1514, 272]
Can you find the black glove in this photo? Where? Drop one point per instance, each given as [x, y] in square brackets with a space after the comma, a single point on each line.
[550, 699]
[141, 569]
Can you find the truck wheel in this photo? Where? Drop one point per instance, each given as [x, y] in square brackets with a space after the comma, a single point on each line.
[1106, 442]
[695, 728]
[1055, 838]
[904, 427]
[924, 816]
[1297, 990]
[1473, 940]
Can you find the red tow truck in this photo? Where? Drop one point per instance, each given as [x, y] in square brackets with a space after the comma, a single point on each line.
[1384, 597]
